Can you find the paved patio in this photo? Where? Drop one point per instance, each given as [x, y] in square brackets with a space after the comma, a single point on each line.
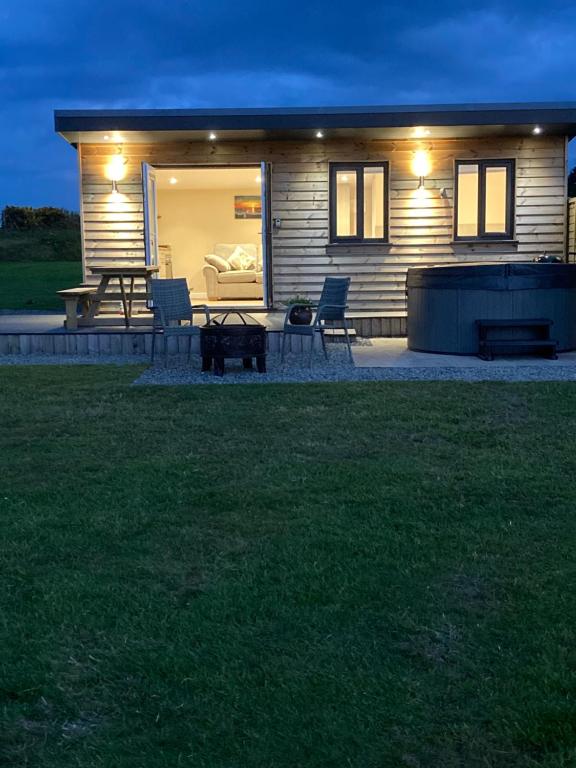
[394, 353]
[43, 339]
[53, 322]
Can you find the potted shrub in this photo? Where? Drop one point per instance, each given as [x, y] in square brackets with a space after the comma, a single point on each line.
[548, 258]
[301, 310]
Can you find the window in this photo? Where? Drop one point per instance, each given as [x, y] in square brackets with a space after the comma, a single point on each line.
[484, 199]
[358, 202]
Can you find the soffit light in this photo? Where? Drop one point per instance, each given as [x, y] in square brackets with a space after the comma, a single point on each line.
[420, 132]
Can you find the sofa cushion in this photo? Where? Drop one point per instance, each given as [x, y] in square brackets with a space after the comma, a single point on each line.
[217, 261]
[227, 249]
[237, 276]
[241, 259]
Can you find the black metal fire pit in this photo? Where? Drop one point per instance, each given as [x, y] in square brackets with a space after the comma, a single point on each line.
[232, 334]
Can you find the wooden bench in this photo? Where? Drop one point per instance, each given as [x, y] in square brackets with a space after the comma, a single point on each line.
[72, 298]
[515, 337]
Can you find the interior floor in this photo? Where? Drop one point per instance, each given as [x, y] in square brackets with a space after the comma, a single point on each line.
[202, 298]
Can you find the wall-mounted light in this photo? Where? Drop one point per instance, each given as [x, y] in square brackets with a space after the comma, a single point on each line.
[116, 169]
[319, 134]
[212, 136]
[173, 180]
[420, 132]
[536, 129]
[258, 179]
[421, 165]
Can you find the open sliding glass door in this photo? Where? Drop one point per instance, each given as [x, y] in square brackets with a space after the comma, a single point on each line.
[150, 215]
[266, 176]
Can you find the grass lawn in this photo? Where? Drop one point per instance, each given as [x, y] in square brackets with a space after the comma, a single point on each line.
[51, 244]
[314, 576]
[33, 284]
[35, 264]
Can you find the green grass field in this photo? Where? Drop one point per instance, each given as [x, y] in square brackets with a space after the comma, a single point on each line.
[40, 245]
[34, 284]
[313, 576]
[37, 263]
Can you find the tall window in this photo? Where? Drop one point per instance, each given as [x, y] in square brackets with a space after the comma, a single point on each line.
[358, 202]
[484, 199]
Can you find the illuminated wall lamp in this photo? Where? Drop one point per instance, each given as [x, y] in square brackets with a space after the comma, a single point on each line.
[116, 170]
[421, 166]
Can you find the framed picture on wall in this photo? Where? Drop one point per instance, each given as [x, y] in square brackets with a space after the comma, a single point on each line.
[247, 206]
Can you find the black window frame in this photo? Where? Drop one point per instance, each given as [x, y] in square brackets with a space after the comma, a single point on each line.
[357, 168]
[482, 235]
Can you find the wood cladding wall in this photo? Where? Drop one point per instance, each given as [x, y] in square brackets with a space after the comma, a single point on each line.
[421, 225]
[571, 250]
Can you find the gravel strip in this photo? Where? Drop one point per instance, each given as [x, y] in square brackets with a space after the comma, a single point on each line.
[296, 370]
[338, 368]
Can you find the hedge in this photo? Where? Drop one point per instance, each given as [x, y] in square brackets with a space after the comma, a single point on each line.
[23, 218]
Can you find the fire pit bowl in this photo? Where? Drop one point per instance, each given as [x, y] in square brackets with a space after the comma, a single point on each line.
[232, 334]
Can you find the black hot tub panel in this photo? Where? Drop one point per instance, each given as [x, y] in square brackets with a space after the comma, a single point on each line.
[444, 302]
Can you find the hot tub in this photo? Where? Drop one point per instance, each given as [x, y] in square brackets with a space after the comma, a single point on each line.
[444, 302]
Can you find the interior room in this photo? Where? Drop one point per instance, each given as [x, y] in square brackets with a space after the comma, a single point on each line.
[210, 232]
[372, 180]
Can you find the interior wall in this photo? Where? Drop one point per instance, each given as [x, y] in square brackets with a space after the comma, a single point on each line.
[346, 209]
[192, 221]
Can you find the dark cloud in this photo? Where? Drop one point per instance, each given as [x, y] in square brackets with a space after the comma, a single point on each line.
[149, 53]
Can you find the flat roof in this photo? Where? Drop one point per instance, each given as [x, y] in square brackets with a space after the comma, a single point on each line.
[395, 121]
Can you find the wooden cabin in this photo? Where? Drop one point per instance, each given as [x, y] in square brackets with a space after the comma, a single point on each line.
[293, 195]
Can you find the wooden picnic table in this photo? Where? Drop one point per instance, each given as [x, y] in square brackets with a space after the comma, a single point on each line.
[122, 273]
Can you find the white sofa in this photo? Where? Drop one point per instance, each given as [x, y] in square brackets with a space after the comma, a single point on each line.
[229, 283]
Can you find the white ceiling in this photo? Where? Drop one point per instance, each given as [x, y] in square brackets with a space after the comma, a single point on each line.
[209, 178]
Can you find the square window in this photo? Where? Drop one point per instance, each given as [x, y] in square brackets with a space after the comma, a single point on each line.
[484, 200]
[358, 202]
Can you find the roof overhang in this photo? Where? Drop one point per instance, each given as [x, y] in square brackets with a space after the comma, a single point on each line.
[384, 122]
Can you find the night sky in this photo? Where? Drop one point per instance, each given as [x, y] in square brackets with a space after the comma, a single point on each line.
[57, 54]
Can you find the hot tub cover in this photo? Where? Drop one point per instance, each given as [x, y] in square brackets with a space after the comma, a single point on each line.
[493, 277]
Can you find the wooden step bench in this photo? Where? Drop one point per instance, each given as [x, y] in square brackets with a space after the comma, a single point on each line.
[72, 298]
[512, 336]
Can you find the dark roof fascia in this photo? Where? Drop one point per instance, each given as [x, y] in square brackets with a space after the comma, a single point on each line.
[286, 119]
